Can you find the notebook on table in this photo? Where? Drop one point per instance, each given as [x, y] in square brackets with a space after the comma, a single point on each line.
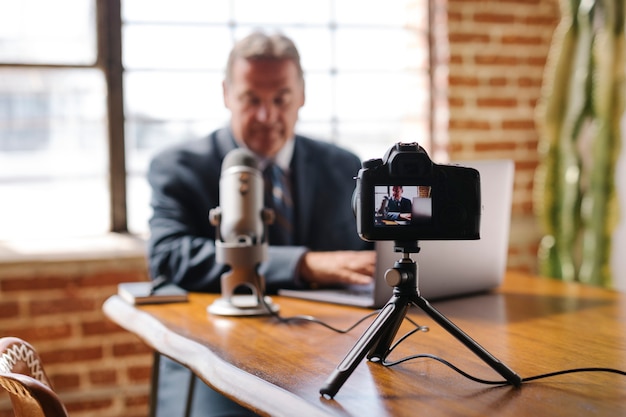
[445, 268]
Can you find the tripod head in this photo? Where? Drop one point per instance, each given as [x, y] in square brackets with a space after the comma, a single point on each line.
[403, 275]
[406, 246]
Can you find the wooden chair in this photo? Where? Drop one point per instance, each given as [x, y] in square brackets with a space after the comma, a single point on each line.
[23, 377]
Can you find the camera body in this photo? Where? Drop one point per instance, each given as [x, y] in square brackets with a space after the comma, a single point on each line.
[407, 197]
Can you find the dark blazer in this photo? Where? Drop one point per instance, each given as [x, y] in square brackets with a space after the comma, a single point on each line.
[402, 206]
[185, 186]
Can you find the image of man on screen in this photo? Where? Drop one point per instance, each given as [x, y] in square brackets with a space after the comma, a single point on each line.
[398, 207]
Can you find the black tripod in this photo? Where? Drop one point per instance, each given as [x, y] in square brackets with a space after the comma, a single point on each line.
[380, 334]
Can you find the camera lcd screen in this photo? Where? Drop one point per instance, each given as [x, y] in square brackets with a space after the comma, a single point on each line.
[402, 205]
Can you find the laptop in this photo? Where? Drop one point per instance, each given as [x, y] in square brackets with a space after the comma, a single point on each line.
[445, 268]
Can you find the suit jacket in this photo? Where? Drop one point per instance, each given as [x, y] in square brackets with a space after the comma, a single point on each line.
[402, 206]
[185, 186]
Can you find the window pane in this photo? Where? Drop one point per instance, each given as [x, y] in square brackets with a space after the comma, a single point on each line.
[373, 12]
[383, 49]
[282, 12]
[53, 153]
[174, 95]
[145, 137]
[51, 32]
[163, 46]
[381, 96]
[175, 11]
[319, 98]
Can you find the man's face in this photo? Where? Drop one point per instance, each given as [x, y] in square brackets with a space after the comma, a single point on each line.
[264, 97]
[396, 192]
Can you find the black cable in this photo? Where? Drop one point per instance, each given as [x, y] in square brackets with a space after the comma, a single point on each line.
[503, 382]
[312, 319]
[576, 370]
[445, 362]
[479, 380]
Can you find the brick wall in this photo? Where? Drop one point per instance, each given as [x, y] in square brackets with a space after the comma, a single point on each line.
[97, 368]
[497, 53]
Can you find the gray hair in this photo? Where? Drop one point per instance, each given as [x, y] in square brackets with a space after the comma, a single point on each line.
[259, 45]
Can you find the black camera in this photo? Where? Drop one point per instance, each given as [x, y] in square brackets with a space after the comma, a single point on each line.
[407, 197]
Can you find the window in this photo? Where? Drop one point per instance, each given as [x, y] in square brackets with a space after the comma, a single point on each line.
[366, 71]
[53, 158]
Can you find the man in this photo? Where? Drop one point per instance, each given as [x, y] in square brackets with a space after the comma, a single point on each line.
[398, 207]
[264, 90]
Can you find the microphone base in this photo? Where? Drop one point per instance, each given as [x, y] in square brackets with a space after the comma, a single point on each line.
[243, 305]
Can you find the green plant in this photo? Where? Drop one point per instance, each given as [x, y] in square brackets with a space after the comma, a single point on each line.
[579, 124]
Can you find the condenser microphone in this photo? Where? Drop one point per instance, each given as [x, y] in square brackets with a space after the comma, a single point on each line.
[241, 223]
[241, 199]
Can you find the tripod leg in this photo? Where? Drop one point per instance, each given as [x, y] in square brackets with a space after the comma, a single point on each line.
[380, 350]
[470, 343]
[389, 317]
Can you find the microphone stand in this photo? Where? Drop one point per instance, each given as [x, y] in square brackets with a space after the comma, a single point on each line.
[378, 337]
[244, 257]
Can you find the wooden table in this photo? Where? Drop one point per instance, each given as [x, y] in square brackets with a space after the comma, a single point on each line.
[533, 325]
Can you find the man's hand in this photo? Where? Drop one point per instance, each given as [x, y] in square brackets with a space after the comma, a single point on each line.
[338, 267]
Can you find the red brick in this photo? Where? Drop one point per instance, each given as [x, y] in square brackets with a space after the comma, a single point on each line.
[549, 21]
[456, 59]
[65, 382]
[537, 61]
[103, 326]
[126, 349]
[463, 81]
[532, 145]
[61, 306]
[526, 165]
[497, 81]
[512, 40]
[38, 333]
[88, 405]
[136, 400]
[139, 373]
[469, 125]
[69, 355]
[454, 16]
[34, 284]
[494, 146]
[456, 102]
[468, 37]
[9, 309]
[498, 60]
[529, 82]
[103, 377]
[494, 18]
[518, 124]
[497, 102]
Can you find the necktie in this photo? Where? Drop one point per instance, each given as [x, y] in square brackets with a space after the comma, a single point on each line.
[278, 197]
